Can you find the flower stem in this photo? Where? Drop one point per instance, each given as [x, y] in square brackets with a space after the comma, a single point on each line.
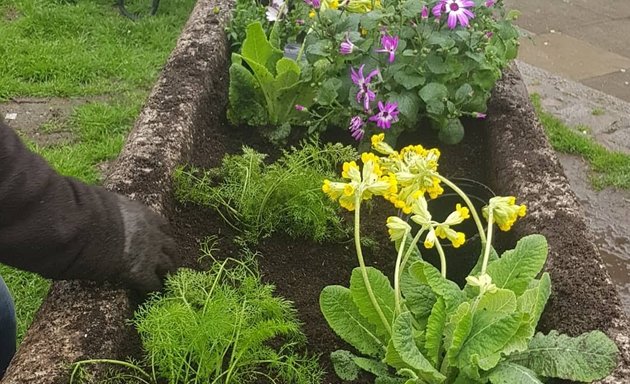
[471, 207]
[397, 273]
[440, 250]
[488, 245]
[366, 280]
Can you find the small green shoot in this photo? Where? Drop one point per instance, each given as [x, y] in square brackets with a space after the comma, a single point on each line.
[222, 326]
[258, 199]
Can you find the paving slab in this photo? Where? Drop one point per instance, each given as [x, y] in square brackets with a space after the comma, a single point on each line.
[610, 35]
[616, 84]
[571, 57]
[541, 16]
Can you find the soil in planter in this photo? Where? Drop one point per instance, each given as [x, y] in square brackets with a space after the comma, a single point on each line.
[300, 268]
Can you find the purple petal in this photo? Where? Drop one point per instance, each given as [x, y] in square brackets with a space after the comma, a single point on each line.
[392, 57]
[463, 20]
[452, 20]
[372, 74]
[468, 13]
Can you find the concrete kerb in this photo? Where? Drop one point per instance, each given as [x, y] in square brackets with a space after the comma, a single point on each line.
[80, 320]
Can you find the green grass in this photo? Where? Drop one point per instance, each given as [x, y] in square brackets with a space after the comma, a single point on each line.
[82, 48]
[610, 168]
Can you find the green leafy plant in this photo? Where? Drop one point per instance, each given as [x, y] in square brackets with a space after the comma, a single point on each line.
[427, 62]
[386, 65]
[220, 326]
[258, 199]
[265, 87]
[425, 329]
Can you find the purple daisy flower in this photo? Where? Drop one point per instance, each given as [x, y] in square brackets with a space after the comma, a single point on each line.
[390, 44]
[313, 3]
[387, 115]
[365, 92]
[356, 128]
[346, 46]
[300, 108]
[490, 3]
[439, 8]
[458, 11]
[479, 115]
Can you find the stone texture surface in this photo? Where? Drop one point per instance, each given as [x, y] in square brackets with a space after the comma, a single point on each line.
[583, 296]
[79, 320]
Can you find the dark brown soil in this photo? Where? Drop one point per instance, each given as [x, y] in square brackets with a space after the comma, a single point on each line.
[300, 268]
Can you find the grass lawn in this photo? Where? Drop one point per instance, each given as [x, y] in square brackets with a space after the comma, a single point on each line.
[610, 168]
[81, 48]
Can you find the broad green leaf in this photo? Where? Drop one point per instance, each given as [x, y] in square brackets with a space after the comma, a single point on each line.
[463, 93]
[247, 103]
[490, 331]
[288, 73]
[389, 380]
[531, 305]
[435, 107]
[501, 301]
[456, 331]
[517, 267]
[435, 330]
[411, 8]
[425, 273]
[374, 367]
[534, 299]
[402, 338]
[433, 91]
[419, 297]
[452, 133]
[408, 104]
[328, 92]
[344, 365]
[409, 80]
[510, 373]
[257, 49]
[384, 295]
[344, 318]
[588, 357]
[266, 81]
[436, 64]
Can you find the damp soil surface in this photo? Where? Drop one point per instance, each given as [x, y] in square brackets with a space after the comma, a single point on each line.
[301, 268]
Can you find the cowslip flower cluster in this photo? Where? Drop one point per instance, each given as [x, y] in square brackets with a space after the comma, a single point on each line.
[504, 211]
[415, 169]
[362, 184]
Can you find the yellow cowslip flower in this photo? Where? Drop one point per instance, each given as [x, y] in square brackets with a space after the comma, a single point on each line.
[422, 216]
[381, 146]
[362, 6]
[312, 13]
[361, 183]
[329, 4]
[505, 211]
[396, 227]
[430, 240]
[443, 231]
[363, 31]
[458, 216]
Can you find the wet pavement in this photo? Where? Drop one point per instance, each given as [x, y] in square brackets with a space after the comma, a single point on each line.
[576, 55]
